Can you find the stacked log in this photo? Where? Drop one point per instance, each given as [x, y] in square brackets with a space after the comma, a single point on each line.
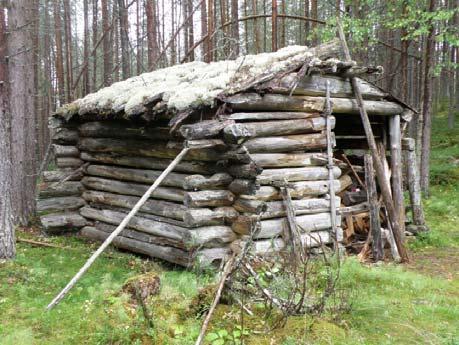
[60, 193]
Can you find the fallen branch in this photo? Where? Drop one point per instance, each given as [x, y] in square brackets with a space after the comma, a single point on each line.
[41, 244]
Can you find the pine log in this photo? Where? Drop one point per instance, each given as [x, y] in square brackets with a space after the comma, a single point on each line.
[315, 85]
[194, 167]
[60, 204]
[298, 190]
[111, 129]
[241, 186]
[313, 239]
[276, 209]
[66, 221]
[156, 207]
[274, 227]
[265, 116]
[170, 254]
[209, 198]
[65, 136]
[136, 175]
[68, 162]
[211, 256]
[269, 176]
[239, 132]
[204, 129]
[281, 160]
[129, 188]
[250, 170]
[58, 175]
[299, 142]
[66, 151]
[199, 182]
[69, 188]
[277, 102]
[158, 149]
[344, 182]
[396, 169]
[195, 217]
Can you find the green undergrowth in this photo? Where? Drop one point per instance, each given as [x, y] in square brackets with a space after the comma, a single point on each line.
[410, 304]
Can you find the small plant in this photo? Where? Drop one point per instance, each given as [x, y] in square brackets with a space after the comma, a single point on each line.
[223, 337]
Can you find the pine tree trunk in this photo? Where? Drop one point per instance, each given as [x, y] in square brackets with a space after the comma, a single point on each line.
[7, 240]
[86, 46]
[108, 63]
[59, 53]
[204, 32]
[151, 32]
[235, 29]
[124, 35]
[138, 38]
[68, 50]
[95, 14]
[190, 30]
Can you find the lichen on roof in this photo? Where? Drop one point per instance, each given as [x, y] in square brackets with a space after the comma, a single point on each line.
[185, 86]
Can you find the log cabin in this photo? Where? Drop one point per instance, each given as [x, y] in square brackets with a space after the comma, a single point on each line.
[260, 134]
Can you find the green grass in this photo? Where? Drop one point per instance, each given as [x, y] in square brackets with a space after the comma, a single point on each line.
[411, 304]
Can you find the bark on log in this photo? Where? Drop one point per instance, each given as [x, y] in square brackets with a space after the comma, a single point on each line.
[67, 221]
[159, 149]
[299, 142]
[372, 196]
[287, 160]
[68, 162]
[274, 227]
[250, 170]
[344, 182]
[156, 207]
[61, 204]
[69, 188]
[65, 136]
[199, 182]
[194, 167]
[136, 175]
[266, 116]
[269, 176]
[277, 102]
[204, 129]
[313, 239]
[298, 190]
[241, 186]
[396, 169]
[122, 130]
[276, 209]
[315, 85]
[66, 151]
[209, 198]
[58, 175]
[239, 132]
[128, 188]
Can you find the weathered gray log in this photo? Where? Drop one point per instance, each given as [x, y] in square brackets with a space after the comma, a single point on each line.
[269, 176]
[208, 236]
[194, 167]
[313, 239]
[315, 85]
[129, 188]
[241, 131]
[281, 160]
[157, 207]
[274, 227]
[110, 129]
[299, 142]
[297, 189]
[211, 256]
[66, 151]
[195, 217]
[276, 209]
[170, 254]
[241, 186]
[201, 144]
[413, 182]
[65, 136]
[68, 162]
[199, 182]
[354, 209]
[58, 175]
[265, 116]
[136, 175]
[249, 170]
[372, 196]
[157, 149]
[209, 198]
[277, 102]
[69, 188]
[63, 221]
[344, 182]
[60, 204]
[396, 169]
[204, 129]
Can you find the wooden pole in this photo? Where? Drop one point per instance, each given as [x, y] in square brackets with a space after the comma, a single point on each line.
[118, 230]
[375, 224]
[379, 168]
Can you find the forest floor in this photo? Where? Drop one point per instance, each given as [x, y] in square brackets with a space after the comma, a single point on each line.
[417, 303]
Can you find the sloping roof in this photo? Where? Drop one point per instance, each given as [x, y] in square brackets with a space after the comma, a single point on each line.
[196, 84]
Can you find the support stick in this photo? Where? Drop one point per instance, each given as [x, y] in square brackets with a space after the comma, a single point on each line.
[117, 231]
